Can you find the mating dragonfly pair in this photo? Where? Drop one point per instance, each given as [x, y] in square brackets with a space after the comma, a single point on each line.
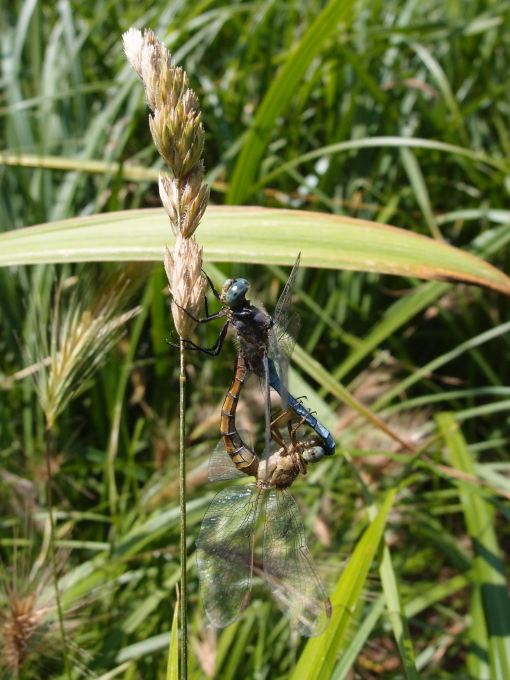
[226, 538]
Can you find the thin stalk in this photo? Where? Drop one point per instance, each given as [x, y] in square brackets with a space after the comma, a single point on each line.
[52, 551]
[182, 499]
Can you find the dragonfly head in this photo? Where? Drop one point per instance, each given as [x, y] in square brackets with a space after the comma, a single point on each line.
[313, 450]
[234, 292]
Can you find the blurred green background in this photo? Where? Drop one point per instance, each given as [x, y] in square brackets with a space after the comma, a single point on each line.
[432, 360]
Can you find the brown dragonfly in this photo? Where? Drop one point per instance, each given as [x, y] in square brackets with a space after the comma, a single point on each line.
[225, 542]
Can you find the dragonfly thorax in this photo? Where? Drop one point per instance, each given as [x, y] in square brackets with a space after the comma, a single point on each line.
[233, 292]
[252, 327]
[279, 470]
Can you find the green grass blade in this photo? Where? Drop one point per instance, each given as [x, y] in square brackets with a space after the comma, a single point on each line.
[396, 316]
[281, 91]
[319, 656]
[489, 567]
[385, 142]
[478, 661]
[421, 193]
[460, 349]
[345, 663]
[397, 615]
[115, 672]
[324, 378]
[253, 235]
[145, 647]
[172, 670]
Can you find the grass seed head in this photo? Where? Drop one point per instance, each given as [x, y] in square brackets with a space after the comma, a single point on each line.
[186, 282]
[184, 200]
[176, 124]
[29, 628]
[80, 337]
[178, 134]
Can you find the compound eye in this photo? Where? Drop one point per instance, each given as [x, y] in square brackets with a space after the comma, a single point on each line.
[236, 293]
[314, 454]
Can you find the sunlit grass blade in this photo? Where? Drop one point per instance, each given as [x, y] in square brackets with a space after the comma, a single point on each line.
[397, 315]
[145, 647]
[397, 615]
[489, 567]
[324, 378]
[407, 307]
[346, 661]
[172, 670]
[253, 235]
[460, 349]
[319, 656]
[478, 658]
[115, 672]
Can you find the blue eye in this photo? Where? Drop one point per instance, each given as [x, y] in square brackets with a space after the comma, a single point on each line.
[236, 292]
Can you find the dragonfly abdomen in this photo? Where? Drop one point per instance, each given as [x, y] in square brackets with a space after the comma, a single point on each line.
[300, 410]
[241, 454]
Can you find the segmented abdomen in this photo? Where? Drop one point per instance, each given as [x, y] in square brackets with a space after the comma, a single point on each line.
[300, 410]
[242, 456]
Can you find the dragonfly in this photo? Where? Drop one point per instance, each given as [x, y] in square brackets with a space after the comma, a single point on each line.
[225, 543]
[244, 457]
[265, 344]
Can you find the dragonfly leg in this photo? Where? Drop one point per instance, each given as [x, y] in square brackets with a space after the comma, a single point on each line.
[206, 319]
[215, 293]
[300, 420]
[174, 337]
[276, 436]
[211, 351]
[211, 284]
[279, 414]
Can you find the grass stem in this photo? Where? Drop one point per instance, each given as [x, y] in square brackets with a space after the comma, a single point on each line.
[182, 499]
[52, 551]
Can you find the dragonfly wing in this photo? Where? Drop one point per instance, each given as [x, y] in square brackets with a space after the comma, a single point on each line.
[284, 332]
[221, 466]
[289, 568]
[281, 312]
[267, 408]
[225, 553]
[286, 336]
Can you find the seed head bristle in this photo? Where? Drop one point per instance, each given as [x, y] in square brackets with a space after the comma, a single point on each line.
[80, 338]
[29, 630]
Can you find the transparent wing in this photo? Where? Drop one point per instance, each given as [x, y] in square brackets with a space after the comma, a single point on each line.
[284, 332]
[289, 568]
[281, 312]
[221, 466]
[286, 335]
[267, 410]
[225, 553]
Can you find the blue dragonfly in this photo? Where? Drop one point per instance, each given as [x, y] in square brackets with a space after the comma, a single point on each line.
[265, 344]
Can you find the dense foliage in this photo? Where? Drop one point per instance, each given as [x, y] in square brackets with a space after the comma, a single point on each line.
[431, 359]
